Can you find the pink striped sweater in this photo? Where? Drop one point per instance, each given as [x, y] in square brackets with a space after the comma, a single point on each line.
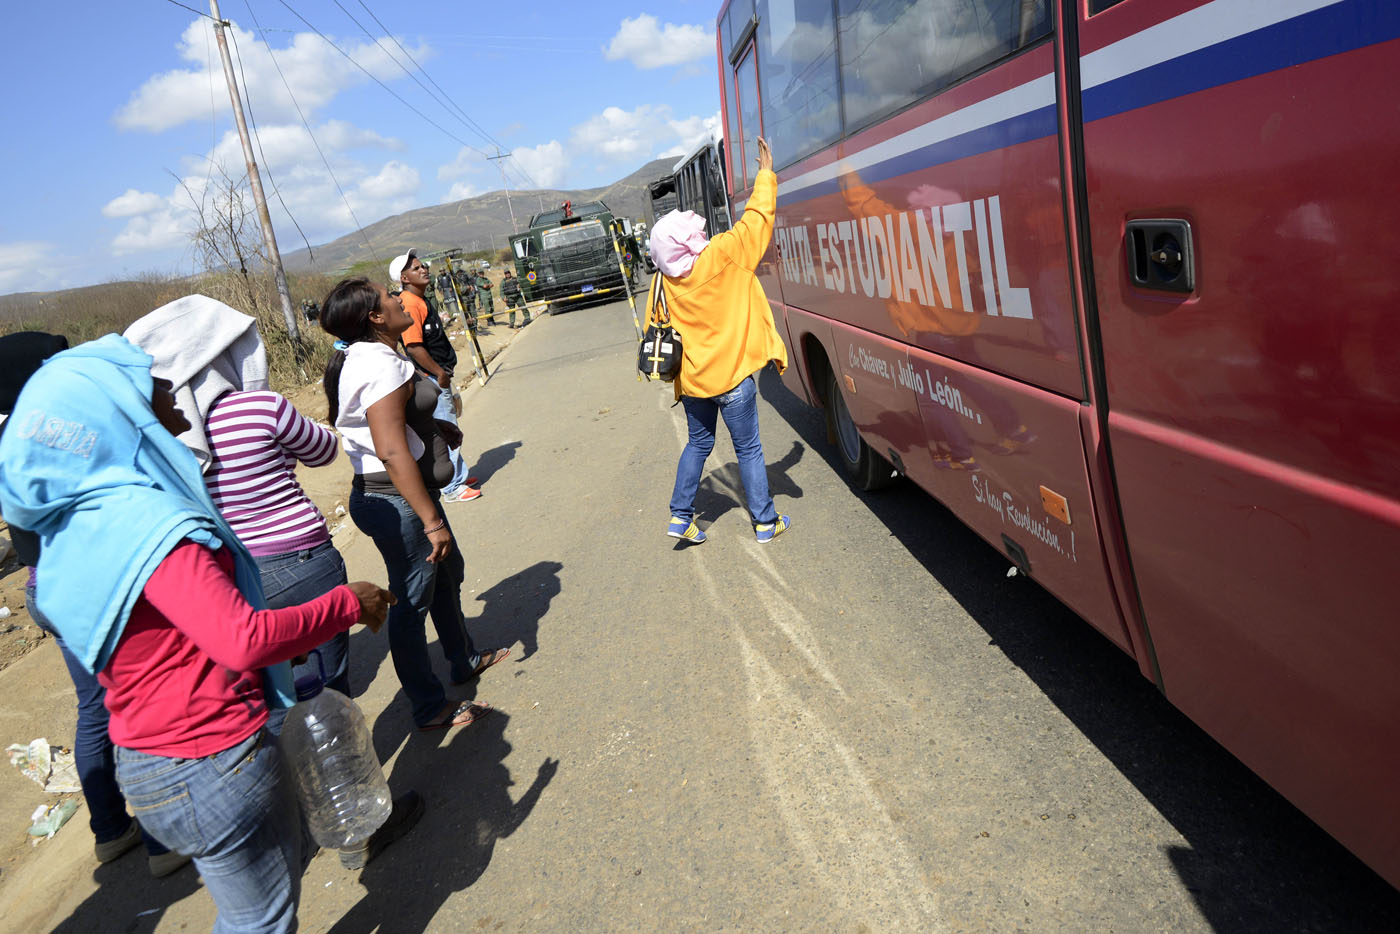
[257, 438]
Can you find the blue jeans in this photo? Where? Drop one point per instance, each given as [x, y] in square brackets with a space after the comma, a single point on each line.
[739, 406]
[237, 815]
[298, 577]
[446, 413]
[92, 747]
[422, 589]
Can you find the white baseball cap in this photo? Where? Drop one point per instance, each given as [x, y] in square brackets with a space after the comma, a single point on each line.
[397, 264]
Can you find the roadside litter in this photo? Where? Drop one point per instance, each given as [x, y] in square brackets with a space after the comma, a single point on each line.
[46, 820]
[52, 767]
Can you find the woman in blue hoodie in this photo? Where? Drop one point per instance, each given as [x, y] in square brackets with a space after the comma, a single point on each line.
[154, 594]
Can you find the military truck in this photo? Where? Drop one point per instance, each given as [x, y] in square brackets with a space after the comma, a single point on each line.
[568, 255]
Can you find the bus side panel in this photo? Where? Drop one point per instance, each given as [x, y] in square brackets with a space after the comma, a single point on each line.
[1254, 422]
[943, 228]
[794, 326]
[1001, 455]
[1006, 458]
[871, 369]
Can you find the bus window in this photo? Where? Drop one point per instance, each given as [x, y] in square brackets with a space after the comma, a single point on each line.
[893, 53]
[746, 86]
[797, 65]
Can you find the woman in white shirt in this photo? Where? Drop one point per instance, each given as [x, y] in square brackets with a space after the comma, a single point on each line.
[384, 413]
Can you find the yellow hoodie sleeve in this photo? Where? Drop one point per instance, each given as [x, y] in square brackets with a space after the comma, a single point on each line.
[746, 243]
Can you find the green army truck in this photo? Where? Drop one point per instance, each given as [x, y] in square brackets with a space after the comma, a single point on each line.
[576, 254]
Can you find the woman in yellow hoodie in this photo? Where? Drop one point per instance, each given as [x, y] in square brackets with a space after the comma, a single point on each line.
[718, 306]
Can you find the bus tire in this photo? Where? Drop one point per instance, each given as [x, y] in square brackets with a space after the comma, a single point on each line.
[868, 469]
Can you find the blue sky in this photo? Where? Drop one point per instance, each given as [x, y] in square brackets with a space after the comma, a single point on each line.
[117, 117]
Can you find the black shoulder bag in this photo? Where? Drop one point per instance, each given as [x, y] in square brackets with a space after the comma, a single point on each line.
[659, 355]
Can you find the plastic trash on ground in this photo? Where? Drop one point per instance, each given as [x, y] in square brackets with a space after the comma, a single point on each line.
[46, 820]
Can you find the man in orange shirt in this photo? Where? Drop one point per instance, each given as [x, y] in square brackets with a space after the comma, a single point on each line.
[426, 343]
[718, 306]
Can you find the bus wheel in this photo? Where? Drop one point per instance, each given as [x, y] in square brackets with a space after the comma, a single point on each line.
[869, 470]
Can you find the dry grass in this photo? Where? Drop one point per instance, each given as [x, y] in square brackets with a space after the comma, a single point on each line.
[85, 314]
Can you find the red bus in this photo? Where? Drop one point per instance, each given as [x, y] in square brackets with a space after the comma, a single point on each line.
[1113, 280]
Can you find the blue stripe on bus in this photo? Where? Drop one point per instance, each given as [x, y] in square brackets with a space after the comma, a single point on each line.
[1036, 124]
[1329, 31]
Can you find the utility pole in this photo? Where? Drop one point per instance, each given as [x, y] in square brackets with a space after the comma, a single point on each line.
[254, 179]
[496, 159]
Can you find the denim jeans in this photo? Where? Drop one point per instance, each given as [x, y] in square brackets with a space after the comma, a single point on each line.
[422, 589]
[92, 747]
[447, 413]
[739, 406]
[298, 577]
[235, 812]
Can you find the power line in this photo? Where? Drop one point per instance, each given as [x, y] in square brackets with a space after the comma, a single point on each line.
[324, 161]
[448, 133]
[445, 96]
[446, 100]
[190, 8]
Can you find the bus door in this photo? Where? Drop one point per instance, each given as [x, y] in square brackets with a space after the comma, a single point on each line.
[1243, 266]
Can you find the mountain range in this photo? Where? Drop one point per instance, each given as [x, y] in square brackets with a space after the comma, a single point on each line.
[478, 223]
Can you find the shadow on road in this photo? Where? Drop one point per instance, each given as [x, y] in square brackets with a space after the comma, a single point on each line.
[489, 463]
[127, 898]
[513, 608]
[722, 490]
[462, 776]
[1255, 863]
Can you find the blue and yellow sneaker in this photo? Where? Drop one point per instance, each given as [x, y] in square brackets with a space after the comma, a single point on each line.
[766, 532]
[685, 529]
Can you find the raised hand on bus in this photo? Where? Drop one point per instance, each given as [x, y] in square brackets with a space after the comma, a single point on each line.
[765, 155]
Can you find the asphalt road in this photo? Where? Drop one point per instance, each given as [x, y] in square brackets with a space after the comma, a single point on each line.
[863, 726]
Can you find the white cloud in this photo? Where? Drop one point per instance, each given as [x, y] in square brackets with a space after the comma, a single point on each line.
[547, 164]
[647, 44]
[609, 140]
[295, 181]
[131, 203]
[160, 231]
[393, 181]
[692, 131]
[19, 263]
[542, 166]
[460, 191]
[310, 64]
[617, 134]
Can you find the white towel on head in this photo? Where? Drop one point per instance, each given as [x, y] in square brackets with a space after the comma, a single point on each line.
[206, 349]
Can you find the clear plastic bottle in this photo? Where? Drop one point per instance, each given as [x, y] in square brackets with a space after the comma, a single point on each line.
[337, 775]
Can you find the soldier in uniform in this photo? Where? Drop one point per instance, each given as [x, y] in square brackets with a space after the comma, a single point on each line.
[510, 292]
[467, 290]
[445, 293]
[483, 295]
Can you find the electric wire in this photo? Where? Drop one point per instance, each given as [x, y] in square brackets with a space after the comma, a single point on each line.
[442, 97]
[448, 133]
[248, 102]
[324, 161]
[190, 8]
[378, 42]
[448, 98]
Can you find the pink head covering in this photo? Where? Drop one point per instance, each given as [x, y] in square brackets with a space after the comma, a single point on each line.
[676, 240]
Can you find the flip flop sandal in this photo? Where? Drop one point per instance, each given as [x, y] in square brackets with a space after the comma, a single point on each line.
[464, 714]
[487, 660]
